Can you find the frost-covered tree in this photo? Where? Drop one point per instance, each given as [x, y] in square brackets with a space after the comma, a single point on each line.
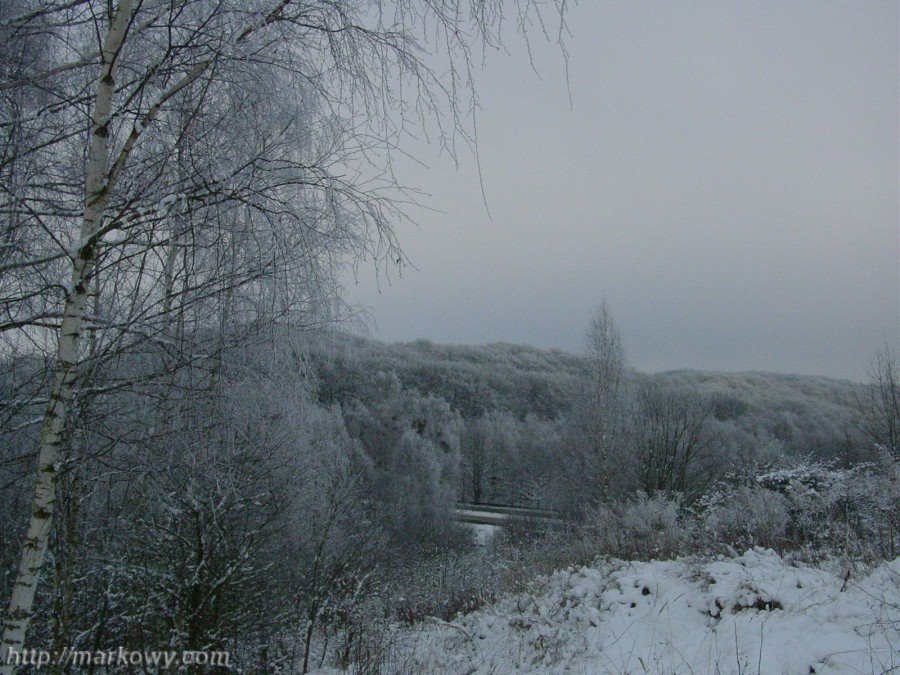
[489, 458]
[413, 442]
[174, 171]
[879, 408]
[593, 449]
[668, 436]
[606, 356]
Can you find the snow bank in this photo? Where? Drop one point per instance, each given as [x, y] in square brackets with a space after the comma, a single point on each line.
[752, 614]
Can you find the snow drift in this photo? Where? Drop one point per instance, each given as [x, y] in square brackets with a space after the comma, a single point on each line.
[752, 614]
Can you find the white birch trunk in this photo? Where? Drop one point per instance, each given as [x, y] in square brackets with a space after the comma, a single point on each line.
[34, 547]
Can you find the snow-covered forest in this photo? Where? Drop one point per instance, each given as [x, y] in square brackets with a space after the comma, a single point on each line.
[197, 451]
[306, 514]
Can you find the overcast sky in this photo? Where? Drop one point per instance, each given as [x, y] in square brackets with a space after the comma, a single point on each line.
[727, 176]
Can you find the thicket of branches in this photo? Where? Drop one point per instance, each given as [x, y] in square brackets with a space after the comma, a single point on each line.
[181, 183]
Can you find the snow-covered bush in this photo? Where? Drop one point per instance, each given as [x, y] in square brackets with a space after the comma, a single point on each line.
[643, 528]
[815, 506]
[745, 517]
[851, 510]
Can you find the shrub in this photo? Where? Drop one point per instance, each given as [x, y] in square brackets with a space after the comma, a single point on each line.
[643, 528]
[813, 506]
[745, 517]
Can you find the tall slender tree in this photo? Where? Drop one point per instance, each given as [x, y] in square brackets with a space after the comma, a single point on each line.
[164, 157]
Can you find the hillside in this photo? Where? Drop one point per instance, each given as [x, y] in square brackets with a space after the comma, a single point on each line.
[514, 378]
[805, 414]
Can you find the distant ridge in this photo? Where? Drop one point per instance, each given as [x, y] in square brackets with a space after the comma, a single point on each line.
[798, 412]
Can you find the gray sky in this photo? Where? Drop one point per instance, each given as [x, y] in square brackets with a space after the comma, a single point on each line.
[727, 176]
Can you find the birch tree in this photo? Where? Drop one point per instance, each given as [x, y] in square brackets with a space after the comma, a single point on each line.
[161, 157]
[605, 354]
[606, 361]
[97, 184]
[595, 448]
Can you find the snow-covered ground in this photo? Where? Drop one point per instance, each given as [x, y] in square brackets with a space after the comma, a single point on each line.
[751, 614]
